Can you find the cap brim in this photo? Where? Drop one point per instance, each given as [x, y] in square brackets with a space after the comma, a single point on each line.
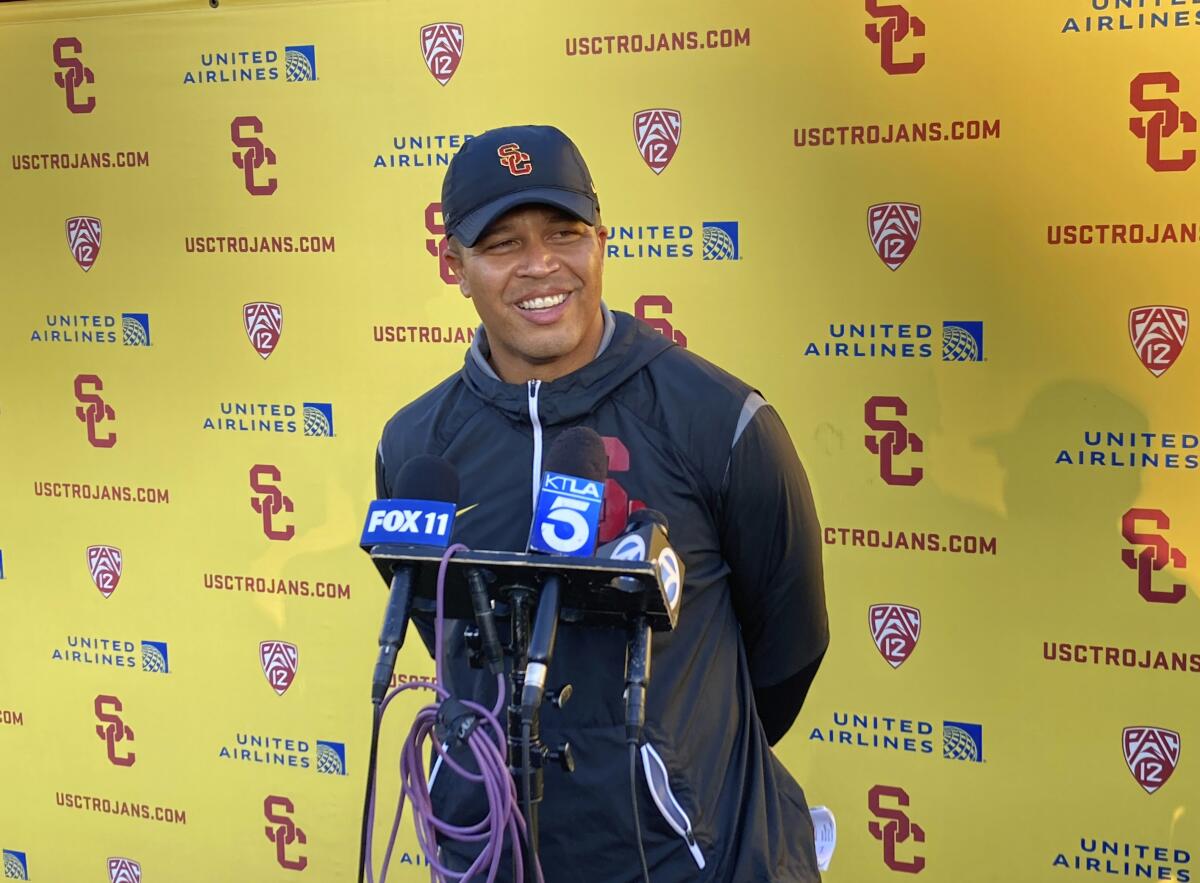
[468, 230]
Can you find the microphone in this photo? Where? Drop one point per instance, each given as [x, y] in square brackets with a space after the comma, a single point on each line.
[645, 538]
[566, 522]
[422, 514]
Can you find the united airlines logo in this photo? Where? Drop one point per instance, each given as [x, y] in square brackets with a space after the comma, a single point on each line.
[270, 501]
[442, 49]
[331, 758]
[93, 410]
[962, 341]
[720, 242]
[1154, 554]
[264, 325]
[897, 27]
[1158, 334]
[318, 419]
[894, 827]
[894, 228]
[1165, 120]
[135, 329]
[73, 75]
[104, 562]
[124, 870]
[962, 741]
[1151, 753]
[895, 629]
[300, 63]
[253, 155]
[279, 660]
[892, 441]
[83, 238]
[112, 730]
[154, 657]
[657, 132]
[283, 832]
[16, 867]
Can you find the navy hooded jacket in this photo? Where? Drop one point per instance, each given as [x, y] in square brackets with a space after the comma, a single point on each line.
[700, 446]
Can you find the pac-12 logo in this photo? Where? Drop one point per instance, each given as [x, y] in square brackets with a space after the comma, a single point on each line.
[897, 27]
[895, 440]
[1158, 334]
[657, 132]
[271, 501]
[513, 158]
[568, 515]
[1155, 554]
[894, 228]
[124, 870]
[279, 661]
[897, 828]
[93, 410]
[442, 49]
[1165, 120]
[895, 629]
[83, 238]
[662, 304]
[283, 832]
[73, 74]
[253, 156]
[263, 322]
[1151, 753]
[105, 563]
[112, 730]
[437, 245]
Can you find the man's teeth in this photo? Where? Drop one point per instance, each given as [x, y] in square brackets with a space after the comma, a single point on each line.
[542, 303]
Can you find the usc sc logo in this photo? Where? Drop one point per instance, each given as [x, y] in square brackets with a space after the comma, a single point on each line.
[438, 242]
[253, 155]
[278, 810]
[94, 410]
[270, 502]
[114, 729]
[894, 441]
[1155, 554]
[897, 829]
[1164, 121]
[73, 74]
[896, 28]
[514, 159]
[662, 325]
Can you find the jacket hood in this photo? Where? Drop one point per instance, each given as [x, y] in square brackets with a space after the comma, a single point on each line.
[633, 345]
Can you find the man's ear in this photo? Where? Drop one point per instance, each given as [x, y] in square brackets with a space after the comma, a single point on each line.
[455, 263]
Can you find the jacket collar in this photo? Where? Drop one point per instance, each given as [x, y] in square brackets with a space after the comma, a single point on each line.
[625, 348]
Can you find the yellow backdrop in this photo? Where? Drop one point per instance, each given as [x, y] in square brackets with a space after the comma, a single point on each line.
[953, 243]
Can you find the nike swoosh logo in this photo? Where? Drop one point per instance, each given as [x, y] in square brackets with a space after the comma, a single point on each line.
[465, 510]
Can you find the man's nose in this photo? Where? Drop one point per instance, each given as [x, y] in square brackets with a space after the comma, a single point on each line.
[538, 260]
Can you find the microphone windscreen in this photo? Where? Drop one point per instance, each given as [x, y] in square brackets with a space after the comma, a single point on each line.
[642, 516]
[579, 452]
[427, 478]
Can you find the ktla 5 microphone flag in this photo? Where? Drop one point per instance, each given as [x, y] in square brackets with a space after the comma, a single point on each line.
[953, 244]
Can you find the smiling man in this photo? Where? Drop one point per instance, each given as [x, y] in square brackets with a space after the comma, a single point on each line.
[683, 437]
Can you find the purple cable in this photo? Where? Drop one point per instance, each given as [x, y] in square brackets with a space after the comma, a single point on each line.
[490, 752]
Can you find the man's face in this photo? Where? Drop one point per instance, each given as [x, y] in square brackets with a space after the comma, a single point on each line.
[535, 279]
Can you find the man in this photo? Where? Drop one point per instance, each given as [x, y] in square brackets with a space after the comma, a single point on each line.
[682, 437]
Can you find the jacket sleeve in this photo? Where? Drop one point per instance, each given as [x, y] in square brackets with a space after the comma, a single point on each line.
[771, 540]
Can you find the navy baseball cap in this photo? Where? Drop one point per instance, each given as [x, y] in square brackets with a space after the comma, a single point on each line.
[503, 168]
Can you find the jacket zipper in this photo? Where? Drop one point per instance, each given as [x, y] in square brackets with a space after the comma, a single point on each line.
[660, 790]
[534, 386]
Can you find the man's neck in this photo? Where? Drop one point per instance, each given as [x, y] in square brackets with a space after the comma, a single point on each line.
[515, 370]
